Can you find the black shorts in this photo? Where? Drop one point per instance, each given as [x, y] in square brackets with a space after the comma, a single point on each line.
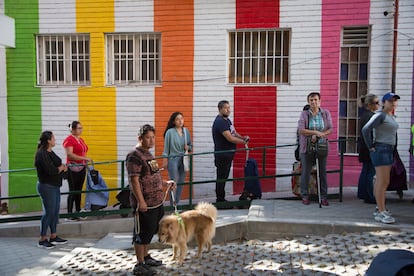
[147, 226]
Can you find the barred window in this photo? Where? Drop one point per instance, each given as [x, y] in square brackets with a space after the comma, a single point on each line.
[353, 82]
[63, 59]
[133, 58]
[259, 56]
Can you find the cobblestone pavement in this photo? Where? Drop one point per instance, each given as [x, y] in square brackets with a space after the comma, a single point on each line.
[345, 254]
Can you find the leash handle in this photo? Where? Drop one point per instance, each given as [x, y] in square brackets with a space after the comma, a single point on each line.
[173, 200]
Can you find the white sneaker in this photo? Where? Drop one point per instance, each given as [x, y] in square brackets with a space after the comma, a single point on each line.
[376, 212]
[384, 218]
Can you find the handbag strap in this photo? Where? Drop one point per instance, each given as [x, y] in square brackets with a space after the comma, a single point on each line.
[185, 137]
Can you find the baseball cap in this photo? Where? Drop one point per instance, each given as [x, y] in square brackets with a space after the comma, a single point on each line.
[389, 96]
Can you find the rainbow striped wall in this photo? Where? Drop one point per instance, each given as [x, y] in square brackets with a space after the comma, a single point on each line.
[194, 36]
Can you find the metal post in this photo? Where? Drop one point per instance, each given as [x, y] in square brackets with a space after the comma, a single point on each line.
[394, 48]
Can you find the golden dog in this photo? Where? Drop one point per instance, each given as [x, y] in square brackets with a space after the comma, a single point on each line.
[178, 229]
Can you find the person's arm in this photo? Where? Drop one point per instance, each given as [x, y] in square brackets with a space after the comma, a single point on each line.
[189, 146]
[374, 122]
[235, 139]
[328, 125]
[137, 191]
[71, 155]
[47, 165]
[166, 152]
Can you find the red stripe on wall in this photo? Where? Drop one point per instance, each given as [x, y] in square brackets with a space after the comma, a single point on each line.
[257, 14]
[255, 115]
[334, 17]
[255, 107]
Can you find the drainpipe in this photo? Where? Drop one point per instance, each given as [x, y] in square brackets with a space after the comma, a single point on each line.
[394, 48]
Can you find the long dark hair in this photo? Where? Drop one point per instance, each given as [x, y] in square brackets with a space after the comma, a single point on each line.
[170, 123]
[43, 140]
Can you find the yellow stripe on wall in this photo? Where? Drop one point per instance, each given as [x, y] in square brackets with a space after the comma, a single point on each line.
[97, 103]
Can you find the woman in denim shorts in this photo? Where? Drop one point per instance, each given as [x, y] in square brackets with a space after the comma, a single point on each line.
[380, 136]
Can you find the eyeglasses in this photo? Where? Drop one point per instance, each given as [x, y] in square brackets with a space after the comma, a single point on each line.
[377, 102]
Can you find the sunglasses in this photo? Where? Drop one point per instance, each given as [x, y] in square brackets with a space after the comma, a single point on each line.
[377, 102]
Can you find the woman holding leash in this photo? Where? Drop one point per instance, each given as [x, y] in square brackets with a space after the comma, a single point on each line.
[50, 171]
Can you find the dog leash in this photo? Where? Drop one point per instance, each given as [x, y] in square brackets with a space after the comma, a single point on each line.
[179, 218]
[137, 226]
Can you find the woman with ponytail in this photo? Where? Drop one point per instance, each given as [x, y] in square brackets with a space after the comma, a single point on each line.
[76, 150]
[50, 172]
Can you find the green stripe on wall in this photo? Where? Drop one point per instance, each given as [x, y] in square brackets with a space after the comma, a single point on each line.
[24, 103]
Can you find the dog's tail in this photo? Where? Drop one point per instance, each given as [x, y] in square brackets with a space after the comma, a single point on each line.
[207, 209]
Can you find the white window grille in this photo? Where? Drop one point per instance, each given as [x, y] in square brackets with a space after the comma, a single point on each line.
[353, 83]
[259, 56]
[133, 58]
[63, 59]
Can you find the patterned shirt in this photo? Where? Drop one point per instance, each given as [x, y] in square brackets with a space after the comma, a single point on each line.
[141, 163]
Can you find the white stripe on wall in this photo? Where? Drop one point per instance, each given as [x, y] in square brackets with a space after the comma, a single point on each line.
[304, 76]
[212, 21]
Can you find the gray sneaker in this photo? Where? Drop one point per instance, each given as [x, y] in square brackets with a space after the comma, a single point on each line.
[384, 218]
[143, 269]
[376, 212]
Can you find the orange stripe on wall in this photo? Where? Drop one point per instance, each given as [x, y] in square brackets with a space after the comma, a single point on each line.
[174, 19]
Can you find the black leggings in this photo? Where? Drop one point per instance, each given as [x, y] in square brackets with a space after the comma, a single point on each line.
[75, 180]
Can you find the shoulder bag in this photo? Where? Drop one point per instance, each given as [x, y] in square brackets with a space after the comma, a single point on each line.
[186, 158]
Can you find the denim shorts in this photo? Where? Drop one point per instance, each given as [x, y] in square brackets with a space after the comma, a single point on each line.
[383, 155]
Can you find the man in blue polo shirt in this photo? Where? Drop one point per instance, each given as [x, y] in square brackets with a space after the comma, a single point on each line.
[225, 138]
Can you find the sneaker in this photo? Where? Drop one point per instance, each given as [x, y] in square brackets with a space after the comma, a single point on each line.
[58, 240]
[324, 202]
[45, 244]
[384, 218]
[143, 269]
[305, 201]
[151, 261]
[376, 212]
[72, 219]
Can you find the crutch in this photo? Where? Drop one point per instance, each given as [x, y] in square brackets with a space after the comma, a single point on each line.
[318, 178]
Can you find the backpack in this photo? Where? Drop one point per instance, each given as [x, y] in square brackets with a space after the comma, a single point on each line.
[252, 189]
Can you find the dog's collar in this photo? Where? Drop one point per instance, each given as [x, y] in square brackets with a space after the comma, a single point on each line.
[180, 220]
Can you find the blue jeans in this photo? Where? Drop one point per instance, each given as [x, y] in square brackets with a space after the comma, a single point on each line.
[383, 155]
[365, 183]
[50, 195]
[176, 172]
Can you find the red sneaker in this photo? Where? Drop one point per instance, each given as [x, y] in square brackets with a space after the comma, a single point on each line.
[305, 201]
[324, 202]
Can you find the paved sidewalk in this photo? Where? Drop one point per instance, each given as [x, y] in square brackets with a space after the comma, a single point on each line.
[273, 237]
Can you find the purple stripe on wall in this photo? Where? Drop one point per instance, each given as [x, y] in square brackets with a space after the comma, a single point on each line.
[411, 168]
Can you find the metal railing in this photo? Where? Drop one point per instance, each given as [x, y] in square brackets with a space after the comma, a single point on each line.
[191, 183]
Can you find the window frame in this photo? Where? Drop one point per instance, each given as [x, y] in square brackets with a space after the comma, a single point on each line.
[56, 62]
[143, 62]
[267, 65]
[353, 82]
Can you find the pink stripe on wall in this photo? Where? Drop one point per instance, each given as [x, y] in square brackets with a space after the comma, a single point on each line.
[334, 17]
